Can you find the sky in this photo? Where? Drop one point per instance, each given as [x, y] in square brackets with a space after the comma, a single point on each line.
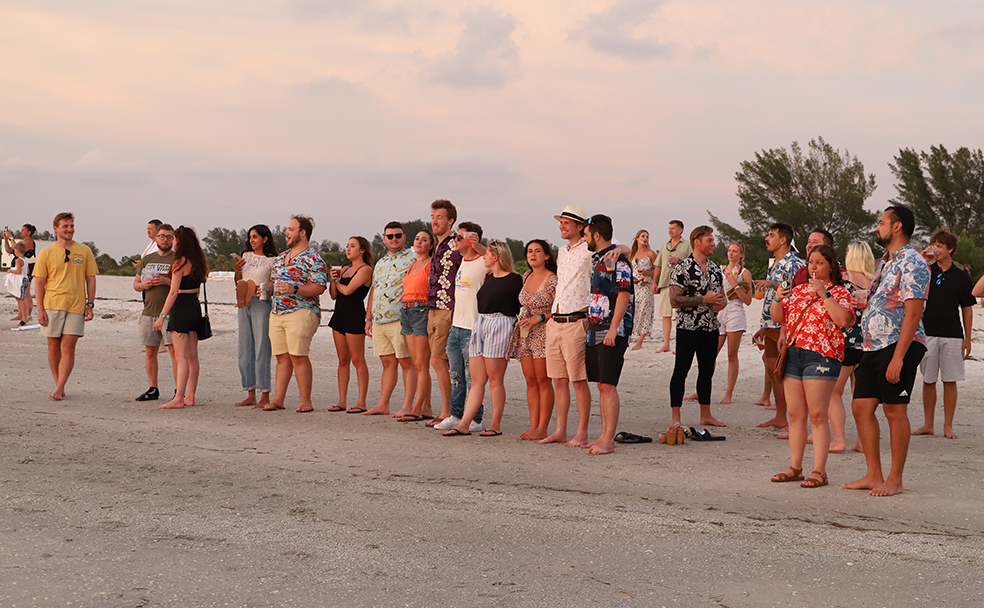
[357, 112]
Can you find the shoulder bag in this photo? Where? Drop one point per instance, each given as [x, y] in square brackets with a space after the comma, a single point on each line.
[205, 327]
[780, 370]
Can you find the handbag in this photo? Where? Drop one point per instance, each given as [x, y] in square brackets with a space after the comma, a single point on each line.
[780, 370]
[205, 327]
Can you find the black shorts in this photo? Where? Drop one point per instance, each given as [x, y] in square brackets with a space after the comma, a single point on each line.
[604, 363]
[869, 377]
[852, 356]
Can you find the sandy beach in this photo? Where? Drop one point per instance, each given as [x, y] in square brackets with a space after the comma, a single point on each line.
[110, 502]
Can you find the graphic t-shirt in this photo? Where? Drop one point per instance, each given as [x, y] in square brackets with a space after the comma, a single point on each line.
[150, 266]
[65, 281]
[470, 277]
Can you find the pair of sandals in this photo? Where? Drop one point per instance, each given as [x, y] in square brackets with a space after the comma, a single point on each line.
[797, 475]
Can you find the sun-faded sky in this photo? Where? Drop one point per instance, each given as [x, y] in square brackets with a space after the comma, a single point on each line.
[231, 113]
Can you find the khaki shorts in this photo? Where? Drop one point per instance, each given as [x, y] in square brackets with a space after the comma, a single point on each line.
[438, 328]
[149, 337]
[63, 323]
[292, 333]
[663, 308]
[565, 350]
[772, 343]
[387, 340]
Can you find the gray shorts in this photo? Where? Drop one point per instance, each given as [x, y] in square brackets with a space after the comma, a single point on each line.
[149, 337]
[63, 323]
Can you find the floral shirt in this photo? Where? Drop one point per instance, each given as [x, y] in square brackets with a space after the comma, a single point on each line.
[387, 285]
[443, 268]
[789, 264]
[573, 278]
[817, 332]
[901, 276]
[308, 267]
[691, 278]
[854, 335]
[605, 287]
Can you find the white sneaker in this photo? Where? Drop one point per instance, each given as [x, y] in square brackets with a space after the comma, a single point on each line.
[447, 424]
[475, 427]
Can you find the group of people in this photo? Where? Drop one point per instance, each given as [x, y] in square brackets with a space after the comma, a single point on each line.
[451, 305]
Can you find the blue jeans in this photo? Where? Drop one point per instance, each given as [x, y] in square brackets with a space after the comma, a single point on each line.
[458, 365]
[254, 345]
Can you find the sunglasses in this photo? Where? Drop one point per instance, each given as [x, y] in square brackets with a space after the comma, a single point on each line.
[390, 237]
[67, 253]
[939, 279]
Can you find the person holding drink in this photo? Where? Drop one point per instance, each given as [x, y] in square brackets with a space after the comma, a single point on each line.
[349, 288]
[252, 275]
[738, 289]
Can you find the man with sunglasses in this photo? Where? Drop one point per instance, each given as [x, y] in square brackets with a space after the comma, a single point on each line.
[383, 319]
[153, 281]
[65, 280]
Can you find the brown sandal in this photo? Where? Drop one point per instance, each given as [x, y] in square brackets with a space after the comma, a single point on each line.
[810, 482]
[784, 477]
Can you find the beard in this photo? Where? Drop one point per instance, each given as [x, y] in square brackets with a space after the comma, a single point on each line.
[292, 241]
[882, 242]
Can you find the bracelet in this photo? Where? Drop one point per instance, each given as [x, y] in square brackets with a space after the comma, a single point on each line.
[775, 300]
[165, 317]
[90, 304]
[543, 319]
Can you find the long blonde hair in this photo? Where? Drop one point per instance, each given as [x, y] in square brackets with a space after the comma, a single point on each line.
[503, 255]
[741, 247]
[635, 243]
[859, 258]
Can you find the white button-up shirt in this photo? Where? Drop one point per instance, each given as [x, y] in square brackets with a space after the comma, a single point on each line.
[573, 278]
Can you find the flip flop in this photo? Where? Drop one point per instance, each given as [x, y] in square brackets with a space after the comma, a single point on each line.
[336, 408]
[705, 435]
[426, 417]
[304, 409]
[624, 437]
[454, 433]
[356, 410]
[409, 418]
[489, 433]
[436, 420]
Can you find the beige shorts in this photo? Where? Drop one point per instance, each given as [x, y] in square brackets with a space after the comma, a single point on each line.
[149, 337]
[438, 328]
[663, 308]
[387, 340]
[292, 333]
[943, 360]
[63, 323]
[565, 350]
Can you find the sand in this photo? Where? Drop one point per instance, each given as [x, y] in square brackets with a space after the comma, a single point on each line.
[109, 502]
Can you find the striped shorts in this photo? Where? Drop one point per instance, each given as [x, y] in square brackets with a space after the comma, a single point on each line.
[491, 336]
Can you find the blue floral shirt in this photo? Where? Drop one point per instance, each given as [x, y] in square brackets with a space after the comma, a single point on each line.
[605, 287]
[788, 264]
[902, 276]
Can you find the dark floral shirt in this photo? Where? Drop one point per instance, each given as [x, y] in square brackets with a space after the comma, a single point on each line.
[443, 269]
[605, 287]
[694, 282]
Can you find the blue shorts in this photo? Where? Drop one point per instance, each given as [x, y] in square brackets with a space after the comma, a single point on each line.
[413, 321]
[802, 364]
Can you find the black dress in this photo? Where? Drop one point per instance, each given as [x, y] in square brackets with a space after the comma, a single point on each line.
[186, 314]
[350, 310]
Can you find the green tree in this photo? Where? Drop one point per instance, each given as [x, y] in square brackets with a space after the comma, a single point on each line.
[92, 246]
[42, 235]
[223, 241]
[105, 263]
[942, 189]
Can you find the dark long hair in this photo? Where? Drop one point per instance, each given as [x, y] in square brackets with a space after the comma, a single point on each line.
[430, 235]
[189, 249]
[830, 255]
[366, 248]
[551, 262]
[269, 247]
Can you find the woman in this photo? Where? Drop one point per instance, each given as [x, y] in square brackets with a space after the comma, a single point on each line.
[252, 276]
[530, 335]
[349, 288]
[738, 288]
[183, 313]
[860, 265]
[813, 315]
[30, 256]
[643, 261]
[413, 325]
[488, 349]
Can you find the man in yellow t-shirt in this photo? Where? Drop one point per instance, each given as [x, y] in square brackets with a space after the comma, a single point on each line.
[65, 281]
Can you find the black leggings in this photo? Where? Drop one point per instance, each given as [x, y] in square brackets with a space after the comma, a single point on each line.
[704, 344]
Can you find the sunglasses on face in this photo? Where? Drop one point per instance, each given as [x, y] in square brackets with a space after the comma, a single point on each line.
[390, 237]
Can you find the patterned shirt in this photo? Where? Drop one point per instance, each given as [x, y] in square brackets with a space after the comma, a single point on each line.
[605, 287]
[817, 332]
[901, 276]
[308, 267]
[573, 278]
[691, 278]
[789, 264]
[443, 268]
[387, 286]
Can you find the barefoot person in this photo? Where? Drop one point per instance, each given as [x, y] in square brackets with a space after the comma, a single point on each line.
[413, 325]
[182, 311]
[349, 288]
[440, 298]
[297, 280]
[383, 320]
[670, 254]
[739, 291]
[252, 277]
[530, 335]
[947, 342]
[65, 280]
[859, 266]
[894, 344]
[813, 314]
[153, 280]
[643, 261]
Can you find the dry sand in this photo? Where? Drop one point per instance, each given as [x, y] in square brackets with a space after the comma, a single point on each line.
[109, 502]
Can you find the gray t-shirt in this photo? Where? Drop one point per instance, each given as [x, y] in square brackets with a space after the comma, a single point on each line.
[152, 265]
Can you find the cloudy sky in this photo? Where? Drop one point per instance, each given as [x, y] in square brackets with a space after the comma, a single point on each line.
[235, 112]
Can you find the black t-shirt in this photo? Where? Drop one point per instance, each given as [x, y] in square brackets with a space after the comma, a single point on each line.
[949, 293]
[500, 295]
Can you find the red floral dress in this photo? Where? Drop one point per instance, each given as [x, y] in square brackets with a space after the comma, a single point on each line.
[817, 331]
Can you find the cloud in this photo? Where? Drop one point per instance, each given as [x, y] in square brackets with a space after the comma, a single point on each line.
[374, 14]
[95, 166]
[485, 56]
[333, 85]
[612, 31]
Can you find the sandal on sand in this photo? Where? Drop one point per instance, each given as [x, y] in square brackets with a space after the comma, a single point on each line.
[489, 433]
[624, 437]
[336, 408]
[454, 433]
[410, 418]
[436, 420]
[662, 437]
[811, 482]
[356, 410]
[784, 477]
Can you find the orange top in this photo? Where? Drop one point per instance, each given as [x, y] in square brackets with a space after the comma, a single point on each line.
[415, 285]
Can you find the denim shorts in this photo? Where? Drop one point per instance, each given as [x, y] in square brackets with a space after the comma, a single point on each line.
[802, 364]
[413, 321]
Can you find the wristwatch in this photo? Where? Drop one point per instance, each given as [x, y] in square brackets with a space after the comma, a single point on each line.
[295, 289]
[826, 295]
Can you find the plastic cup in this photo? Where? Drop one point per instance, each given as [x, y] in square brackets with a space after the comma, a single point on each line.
[524, 331]
[861, 298]
[759, 294]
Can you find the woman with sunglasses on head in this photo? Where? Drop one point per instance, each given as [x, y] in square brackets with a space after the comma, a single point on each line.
[252, 275]
[349, 288]
[413, 325]
[183, 313]
[488, 349]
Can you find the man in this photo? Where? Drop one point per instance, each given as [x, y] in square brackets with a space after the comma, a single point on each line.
[947, 343]
[152, 227]
[779, 243]
[440, 298]
[817, 237]
[297, 280]
[468, 280]
[670, 254]
[154, 282]
[697, 292]
[65, 280]
[610, 313]
[894, 344]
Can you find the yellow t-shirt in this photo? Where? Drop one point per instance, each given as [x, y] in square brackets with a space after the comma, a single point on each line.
[65, 281]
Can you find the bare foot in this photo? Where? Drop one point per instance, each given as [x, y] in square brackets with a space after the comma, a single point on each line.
[712, 421]
[264, 401]
[403, 412]
[533, 435]
[837, 447]
[57, 395]
[776, 422]
[925, 429]
[579, 441]
[247, 401]
[726, 399]
[191, 404]
[858, 447]
[663, 349]
[691, 397]
[886, 489]
[865, 483]
[174, 404]
[638, 344]
[556, 437]
[601, 448]
[764, 401]
[809, 439]
[948, 432]
[784, 434]
[379, 410]
[770, 407]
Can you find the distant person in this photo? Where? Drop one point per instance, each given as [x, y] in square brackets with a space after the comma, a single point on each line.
[643, 262]
[252, 277]
[297, 280]
[739, 291]
[182, 311]
[349, 288]
[440, 298]
[670, 254]
[817, 237]
[151, 247]
[65, 277]
[23, 282]
[30, 258]
[383, 320]
[153, 280]
[413, 325]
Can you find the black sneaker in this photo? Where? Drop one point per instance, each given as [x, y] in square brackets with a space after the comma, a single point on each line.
[150, 395]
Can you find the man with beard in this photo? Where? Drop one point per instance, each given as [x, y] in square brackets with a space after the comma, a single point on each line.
[154, 282]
